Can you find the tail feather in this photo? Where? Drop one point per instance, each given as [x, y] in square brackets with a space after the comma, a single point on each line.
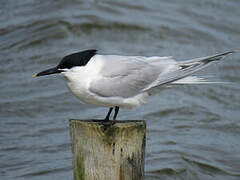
[187, 68]
[191, 80]
[197, 80]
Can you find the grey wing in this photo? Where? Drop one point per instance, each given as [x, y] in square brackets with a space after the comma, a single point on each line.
[123, 77]
[185, 68]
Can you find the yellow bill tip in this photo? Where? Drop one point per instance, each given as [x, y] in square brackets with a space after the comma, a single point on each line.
[34, 76]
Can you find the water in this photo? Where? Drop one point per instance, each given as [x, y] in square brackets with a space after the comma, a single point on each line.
[193, 132]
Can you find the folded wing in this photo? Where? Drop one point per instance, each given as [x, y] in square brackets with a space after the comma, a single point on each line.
[127, 76]
[124, 76]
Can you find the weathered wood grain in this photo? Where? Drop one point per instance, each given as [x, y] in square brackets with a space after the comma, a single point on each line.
[108, 150]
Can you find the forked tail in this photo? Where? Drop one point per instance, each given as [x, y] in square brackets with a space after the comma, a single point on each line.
[197, 64]
[186, 69]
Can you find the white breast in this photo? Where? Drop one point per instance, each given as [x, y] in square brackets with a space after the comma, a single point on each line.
[79, 78]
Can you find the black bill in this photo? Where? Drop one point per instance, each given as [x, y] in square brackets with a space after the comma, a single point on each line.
[47, 72]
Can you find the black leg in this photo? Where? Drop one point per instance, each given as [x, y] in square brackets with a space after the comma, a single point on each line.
[108, 114]
[116, 112]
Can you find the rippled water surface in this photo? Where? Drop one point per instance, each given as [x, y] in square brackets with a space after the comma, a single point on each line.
[193, 132]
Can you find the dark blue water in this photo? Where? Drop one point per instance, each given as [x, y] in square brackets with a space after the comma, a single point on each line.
[193, 132]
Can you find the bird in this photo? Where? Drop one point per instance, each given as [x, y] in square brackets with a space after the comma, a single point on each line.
[118, 81]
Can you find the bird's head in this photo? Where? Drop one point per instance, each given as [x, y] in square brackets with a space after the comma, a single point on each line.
[69, 61]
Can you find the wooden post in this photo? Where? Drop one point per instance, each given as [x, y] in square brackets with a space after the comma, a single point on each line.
[111, 150]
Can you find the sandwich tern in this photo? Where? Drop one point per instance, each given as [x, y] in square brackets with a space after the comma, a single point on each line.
[116, 81]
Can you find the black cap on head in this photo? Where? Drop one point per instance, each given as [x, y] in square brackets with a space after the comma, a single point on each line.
[76, 59]
[69, 61]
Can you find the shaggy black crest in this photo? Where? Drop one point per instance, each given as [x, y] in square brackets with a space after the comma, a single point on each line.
[76, 59]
